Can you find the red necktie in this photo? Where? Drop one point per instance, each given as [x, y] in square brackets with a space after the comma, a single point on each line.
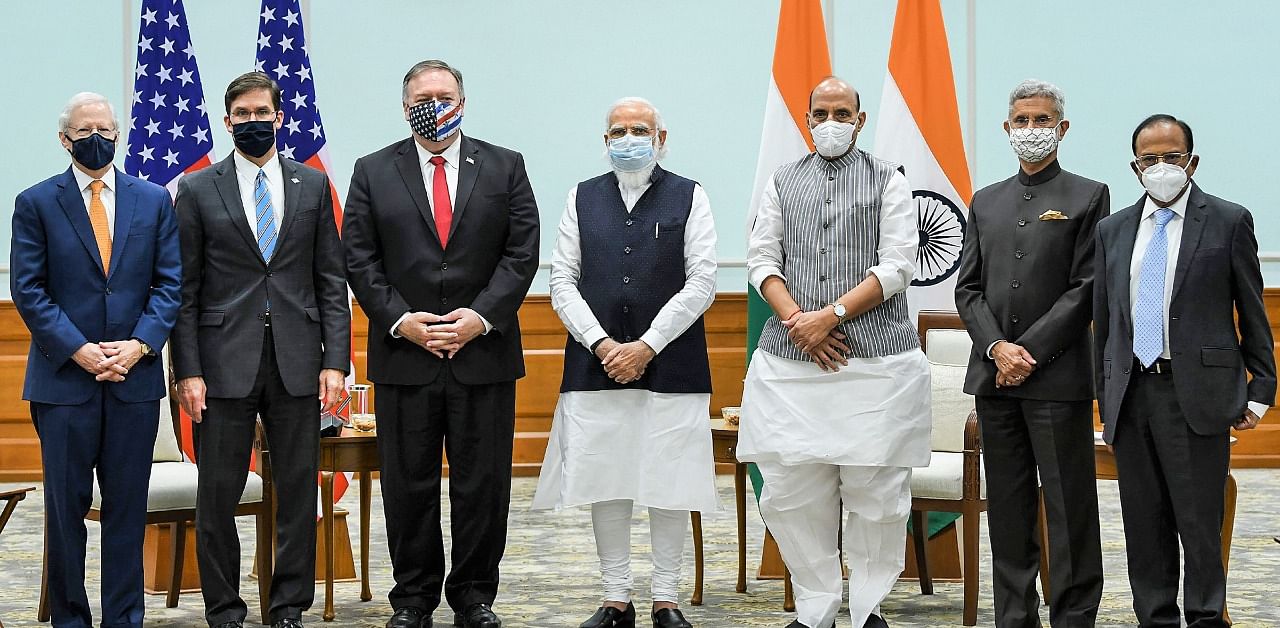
[440, 197]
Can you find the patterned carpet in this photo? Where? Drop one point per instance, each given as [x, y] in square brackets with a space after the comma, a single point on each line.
[550, 577]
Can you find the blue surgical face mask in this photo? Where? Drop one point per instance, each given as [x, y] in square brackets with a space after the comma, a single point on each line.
[631, 153]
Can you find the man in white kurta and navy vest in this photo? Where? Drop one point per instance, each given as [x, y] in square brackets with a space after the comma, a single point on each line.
[633, 271]
[836, 404]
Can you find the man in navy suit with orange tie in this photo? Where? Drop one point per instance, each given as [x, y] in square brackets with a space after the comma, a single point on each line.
[95, 273]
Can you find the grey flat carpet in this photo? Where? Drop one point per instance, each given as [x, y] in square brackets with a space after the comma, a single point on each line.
[550, 578]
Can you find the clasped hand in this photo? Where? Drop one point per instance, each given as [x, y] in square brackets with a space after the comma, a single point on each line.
[1014, 364]
[108, 361]
[815, 334]
[624, 362]
[444, 336]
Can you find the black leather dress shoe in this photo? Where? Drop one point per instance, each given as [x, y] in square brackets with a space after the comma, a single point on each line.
[610, 617]
[287, 622]
[797, 624]
[230, 624]
[409, 617]
[669, 618]
[477, 616]
[875, 621]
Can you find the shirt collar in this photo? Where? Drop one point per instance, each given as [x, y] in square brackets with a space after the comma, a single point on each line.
[1179, 206]
[83, 180]
[841, 162]
[249, 170]
[1048, 173]
[450, 154]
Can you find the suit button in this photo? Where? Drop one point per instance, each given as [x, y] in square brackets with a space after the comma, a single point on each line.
[1126, 371]
[831, 178]
[1019, 254]
[627, 339]
[828, 201]
[626, 309]
[444, 266]
[630, 222]
[444, 300]
[1015, 283]
[1022, 222]
[627, 250]
[826, 225]
[259, 317]
[822, 251]
[108, 290]
[822, 277]
[1026, 196]
[626, 280]
[270, 274]
[1014, 318]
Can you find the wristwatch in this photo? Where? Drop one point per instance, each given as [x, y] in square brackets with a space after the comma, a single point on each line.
[840, 311]
[146, 348]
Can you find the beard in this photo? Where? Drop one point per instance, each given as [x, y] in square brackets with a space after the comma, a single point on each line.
[635, 179]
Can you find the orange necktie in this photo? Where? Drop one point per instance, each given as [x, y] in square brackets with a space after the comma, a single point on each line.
[98, 218]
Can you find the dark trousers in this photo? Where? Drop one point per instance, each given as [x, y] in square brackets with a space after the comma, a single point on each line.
[224, 443]
[115, 439]
[1054, 439]
[1172, 484]
[475, 426]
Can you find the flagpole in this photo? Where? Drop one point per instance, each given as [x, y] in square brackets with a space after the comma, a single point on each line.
[971, 54]
[126, 53]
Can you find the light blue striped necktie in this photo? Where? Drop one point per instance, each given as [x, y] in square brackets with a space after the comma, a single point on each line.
[266, 217]
[1148, 312]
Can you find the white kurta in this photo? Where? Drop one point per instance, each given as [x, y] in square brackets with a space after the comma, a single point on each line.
[873, 412]
[648, 447]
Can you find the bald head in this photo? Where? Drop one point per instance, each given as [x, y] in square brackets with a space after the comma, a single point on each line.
[834, 100]
[835, 87]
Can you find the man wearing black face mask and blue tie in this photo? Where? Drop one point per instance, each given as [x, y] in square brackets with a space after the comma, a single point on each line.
[95, 273]
[1178, 321]
[263, 331]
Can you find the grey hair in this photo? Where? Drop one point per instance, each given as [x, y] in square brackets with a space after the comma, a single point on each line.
[635, 100]
[426, 66]
[643, 102]
[81, 100]
[1033, 88]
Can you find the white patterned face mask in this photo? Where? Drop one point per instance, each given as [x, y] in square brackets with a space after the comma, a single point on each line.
[1033, 144]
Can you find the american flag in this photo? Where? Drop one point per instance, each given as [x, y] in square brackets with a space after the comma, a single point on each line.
[169, 133]
[168, 122]
[282, 55]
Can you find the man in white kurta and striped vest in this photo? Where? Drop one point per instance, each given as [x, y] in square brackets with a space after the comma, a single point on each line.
[836, 404]
[633, 271]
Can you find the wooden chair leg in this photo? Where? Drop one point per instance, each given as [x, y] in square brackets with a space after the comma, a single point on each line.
[919, 536]
[1042, 524]
[262, 556]
[696, 518]
[970, 521]
[42, 610]
[788, 596]
[178, 550]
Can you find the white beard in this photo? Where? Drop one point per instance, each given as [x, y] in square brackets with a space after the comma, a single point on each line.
[635, 179]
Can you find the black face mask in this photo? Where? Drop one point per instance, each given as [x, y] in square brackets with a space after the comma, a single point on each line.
[94, 152]
[254, 138]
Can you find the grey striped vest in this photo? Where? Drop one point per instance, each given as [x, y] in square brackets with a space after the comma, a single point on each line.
[831, 230]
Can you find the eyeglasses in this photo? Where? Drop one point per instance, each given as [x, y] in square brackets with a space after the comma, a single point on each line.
[1146, 161]
[1039, 122]
[83, 132]
[639, 130]
[244, 115]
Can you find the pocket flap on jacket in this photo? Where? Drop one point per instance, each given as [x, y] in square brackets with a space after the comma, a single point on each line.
[211, 319]
[313, 313]
[1219, 356]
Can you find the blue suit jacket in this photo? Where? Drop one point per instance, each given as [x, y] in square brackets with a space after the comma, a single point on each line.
[59, 288]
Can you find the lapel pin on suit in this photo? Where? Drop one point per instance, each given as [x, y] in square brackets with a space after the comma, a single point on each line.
[1054, 214]
[294, 180]
[470, 160]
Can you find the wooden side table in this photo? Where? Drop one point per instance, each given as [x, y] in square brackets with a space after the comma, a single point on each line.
[724, 445]
[356, 452]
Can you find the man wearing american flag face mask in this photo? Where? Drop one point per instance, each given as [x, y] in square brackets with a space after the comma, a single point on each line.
[441, 235]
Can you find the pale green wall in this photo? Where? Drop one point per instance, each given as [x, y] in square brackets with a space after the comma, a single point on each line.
[540, 74]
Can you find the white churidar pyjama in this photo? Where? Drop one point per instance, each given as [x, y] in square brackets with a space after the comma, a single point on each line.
[611, 521]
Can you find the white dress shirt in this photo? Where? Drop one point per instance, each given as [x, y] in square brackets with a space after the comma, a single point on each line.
[108, 195]
[896, 250]
[1173, 234]
[247, 180]
[451, 155]
[677, 314]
